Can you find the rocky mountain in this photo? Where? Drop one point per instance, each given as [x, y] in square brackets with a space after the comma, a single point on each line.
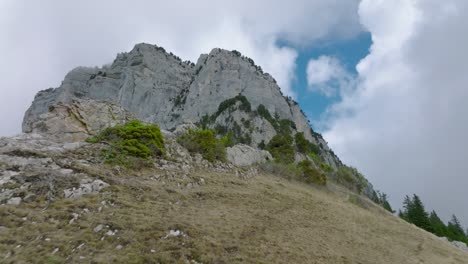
[223, 90]
[87, 182]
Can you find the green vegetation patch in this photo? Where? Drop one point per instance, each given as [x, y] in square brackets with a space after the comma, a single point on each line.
[281, 148]
[244, 104]
[281, 126]
[305, 146]
[310, 174]
[204, 141]
[351, 178]
[133, 139]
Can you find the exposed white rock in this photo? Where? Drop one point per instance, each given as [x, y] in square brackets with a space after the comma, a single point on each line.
[184, 128]
[244, 155]
[14, 201]
[85, 188]
[98, 228]
[460, 245]
[174, 233]
[77, 120]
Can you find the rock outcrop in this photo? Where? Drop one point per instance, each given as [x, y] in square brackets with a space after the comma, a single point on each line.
[223, 91]
[78, 119]
[156, 86]
[244, 155]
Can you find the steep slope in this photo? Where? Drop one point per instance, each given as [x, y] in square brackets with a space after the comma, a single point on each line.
[191, 212]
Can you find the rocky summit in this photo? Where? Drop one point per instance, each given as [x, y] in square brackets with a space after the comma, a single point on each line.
[223, 90]
[156, 160]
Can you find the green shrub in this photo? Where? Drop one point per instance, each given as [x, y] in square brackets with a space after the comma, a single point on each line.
[303, 171]
[204, 142]
[325, 167]
[132, 139]
[281, 148]
[351, 178]
[310, 174]
[245, 104]
[262, 111]
[261, 145]
[346, 174]
[283, 126]
[305, 146]
[287, 171]
[228, 140]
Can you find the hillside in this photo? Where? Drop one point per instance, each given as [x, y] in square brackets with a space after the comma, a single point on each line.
[217, 214]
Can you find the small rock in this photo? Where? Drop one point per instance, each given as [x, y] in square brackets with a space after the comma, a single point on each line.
[30, 198]
[55, 251]
[98, 228]
[111, 233]
[14, 201]
[119, 247]
[80, 246]
[174, 233]
[85, 188]
[153, 251]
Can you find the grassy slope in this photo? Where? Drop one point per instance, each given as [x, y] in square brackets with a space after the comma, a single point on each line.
[265, 219]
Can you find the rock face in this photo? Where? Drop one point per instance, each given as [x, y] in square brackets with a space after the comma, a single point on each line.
[34, 166]
[244, 155]
[78, 119]
[156, 86]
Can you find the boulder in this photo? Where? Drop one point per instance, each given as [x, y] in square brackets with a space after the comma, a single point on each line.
[243, 155]
[85, 188]
[78, 120]
[460, 245]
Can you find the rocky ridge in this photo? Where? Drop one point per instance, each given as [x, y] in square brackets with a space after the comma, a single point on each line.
[223, 91]
[156, 86]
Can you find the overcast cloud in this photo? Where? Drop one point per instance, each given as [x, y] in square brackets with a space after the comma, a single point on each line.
[43, 40]
[406, 123]
[403, 121]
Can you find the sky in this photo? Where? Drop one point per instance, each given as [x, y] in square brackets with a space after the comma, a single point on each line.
[385, 81]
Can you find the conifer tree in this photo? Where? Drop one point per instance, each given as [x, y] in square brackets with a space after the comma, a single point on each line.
[455, 231]
[414, 213]
[438, 227]
[384, 202]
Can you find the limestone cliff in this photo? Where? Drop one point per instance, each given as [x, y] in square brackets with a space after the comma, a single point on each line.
[157, 86]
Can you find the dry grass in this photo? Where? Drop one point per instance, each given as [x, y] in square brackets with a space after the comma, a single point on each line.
[265, 219]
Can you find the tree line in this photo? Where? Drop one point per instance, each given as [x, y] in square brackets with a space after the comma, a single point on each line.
[415, 213]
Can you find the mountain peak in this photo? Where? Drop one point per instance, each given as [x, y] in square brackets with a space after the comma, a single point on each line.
[158, 87]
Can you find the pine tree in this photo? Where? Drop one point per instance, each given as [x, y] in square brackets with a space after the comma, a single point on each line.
[402, 214]
[438, 227]
[455, 231]
[416, 214]
[385, 204]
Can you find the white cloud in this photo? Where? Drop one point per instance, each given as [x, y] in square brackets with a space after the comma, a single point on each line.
[42, 41]
[405, 124]
[327, 75]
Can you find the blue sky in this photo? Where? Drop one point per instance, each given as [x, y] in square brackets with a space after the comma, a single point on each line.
[349, 52]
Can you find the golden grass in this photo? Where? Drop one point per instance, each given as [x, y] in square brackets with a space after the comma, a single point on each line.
[265, 219]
